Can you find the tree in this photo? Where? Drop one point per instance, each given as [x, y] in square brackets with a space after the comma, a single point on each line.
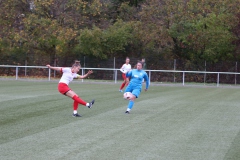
[204, 30]
[104, 43]
[50, 27]
[11, 17]
[152, 30]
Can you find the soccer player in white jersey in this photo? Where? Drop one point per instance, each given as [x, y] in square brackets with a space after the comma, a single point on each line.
[68, 75]
[124, 69]
[135, 86]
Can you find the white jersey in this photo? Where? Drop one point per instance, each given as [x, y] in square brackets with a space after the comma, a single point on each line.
[67, 76]
[125, 68]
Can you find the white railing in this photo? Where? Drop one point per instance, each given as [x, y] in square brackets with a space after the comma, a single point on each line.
[115, 72]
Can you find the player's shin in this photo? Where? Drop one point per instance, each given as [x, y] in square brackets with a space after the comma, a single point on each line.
[79, 100]
[130, 105]
[75, 107]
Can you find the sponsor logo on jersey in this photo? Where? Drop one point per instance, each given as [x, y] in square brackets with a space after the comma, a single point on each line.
[136, 76]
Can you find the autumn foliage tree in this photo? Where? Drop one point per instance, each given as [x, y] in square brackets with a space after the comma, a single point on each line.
[192, 30]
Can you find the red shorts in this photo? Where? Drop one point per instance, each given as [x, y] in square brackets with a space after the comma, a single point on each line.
[124, 76]
[63, 88]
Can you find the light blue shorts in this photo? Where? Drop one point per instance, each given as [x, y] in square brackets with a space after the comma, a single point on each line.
[134, 90]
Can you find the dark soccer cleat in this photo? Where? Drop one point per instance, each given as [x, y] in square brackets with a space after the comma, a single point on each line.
[91, 104]
[76, 115]
[127, 112]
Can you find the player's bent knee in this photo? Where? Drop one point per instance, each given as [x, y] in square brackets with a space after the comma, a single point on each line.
[71, 94]
[129, 96]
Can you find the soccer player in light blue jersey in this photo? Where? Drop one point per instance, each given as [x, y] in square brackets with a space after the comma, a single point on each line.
[135, 85]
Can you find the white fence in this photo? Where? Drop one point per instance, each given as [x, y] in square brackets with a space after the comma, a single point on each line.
[116, 71]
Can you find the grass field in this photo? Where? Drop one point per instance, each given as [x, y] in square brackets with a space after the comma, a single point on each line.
[166, 123]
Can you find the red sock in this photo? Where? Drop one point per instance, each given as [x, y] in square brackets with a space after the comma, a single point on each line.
[123, 84]
[75, 105]
[79, 100]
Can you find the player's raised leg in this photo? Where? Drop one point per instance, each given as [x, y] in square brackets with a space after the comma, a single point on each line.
[78, 100]
[133, 95]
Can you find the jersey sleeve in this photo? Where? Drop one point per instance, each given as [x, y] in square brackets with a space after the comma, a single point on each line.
[129, 74]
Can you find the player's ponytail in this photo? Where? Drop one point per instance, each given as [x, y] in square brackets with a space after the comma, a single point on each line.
[76, 64]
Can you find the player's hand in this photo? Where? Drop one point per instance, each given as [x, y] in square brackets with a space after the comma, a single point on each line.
[90, 72]
[48, 65]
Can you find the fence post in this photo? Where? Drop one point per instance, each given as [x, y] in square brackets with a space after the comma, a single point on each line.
[174, 68]
[218, 80]
[114, 71]
[82, 74]
[205, 73]
[49, 74]
[183, 78]
[25, 68]
[236, 75]
[16, 73]
[116, 76]
[149, 77]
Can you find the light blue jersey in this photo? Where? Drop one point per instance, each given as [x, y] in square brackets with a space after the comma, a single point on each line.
[136, 78]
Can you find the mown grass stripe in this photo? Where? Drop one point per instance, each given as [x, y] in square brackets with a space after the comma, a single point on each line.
[165, 123]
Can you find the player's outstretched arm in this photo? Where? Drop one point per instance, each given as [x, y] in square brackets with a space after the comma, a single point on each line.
[54, 68]
[87, 74]
[147, 81]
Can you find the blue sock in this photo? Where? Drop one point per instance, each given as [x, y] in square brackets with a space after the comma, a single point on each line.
[130, 104]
